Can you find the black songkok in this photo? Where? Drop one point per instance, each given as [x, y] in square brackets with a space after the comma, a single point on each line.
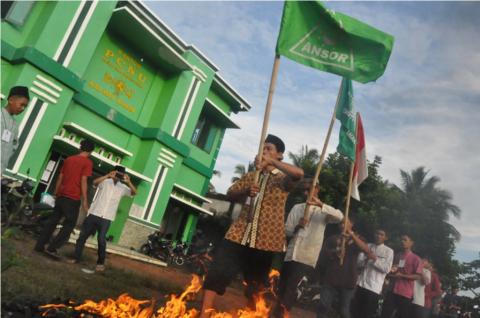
[19, 91]
[272, 139]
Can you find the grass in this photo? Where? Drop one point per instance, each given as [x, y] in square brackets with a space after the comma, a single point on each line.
[27, 275]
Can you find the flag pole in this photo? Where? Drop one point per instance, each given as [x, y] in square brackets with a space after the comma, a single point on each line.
[349, 195]
[345, 218]
[266, 118]
[322, 156]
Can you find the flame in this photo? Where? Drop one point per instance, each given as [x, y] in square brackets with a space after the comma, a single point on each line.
[127, 307]
[176, 307]
[123, 306]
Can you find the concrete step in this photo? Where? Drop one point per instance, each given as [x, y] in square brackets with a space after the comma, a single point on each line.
[117, 250]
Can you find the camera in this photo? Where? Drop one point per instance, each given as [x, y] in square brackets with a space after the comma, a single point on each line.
[120, 175]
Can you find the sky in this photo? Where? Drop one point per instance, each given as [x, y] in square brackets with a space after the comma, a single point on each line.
[424, 111]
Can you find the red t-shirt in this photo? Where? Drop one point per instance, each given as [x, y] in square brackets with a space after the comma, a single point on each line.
[408, 263]
[74, 168]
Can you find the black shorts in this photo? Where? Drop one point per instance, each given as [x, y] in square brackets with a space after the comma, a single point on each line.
[230, 259]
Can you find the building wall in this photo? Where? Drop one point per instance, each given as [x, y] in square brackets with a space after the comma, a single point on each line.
[143, 109]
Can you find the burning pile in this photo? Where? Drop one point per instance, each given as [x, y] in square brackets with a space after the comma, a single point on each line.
[127, 307]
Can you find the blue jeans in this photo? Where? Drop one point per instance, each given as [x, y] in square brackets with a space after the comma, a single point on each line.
[328, 296]
[91, 225]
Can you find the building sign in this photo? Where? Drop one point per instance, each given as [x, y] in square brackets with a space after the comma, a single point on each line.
[118, 78]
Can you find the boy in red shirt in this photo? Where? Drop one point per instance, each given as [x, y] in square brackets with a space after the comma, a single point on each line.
[71, 186]
[407, 267]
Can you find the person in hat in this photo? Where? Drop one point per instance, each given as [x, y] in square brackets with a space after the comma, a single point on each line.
[17, 100]
[70, 188]
[111, 188]
[258, 233]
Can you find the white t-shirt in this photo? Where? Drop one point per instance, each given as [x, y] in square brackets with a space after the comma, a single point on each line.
[373, 273]
[419, 288]
[107, 199]
[305, 246]
[9, 134]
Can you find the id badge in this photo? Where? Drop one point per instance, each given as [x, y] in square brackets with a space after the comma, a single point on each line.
[6, 135]
[401, 263]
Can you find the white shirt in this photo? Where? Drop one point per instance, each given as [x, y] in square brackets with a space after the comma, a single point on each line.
[419, 288]
[305, 246]
[373, 273]
[9, 137]
[107, 199]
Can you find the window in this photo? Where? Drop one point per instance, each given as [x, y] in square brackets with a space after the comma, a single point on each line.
[16, 12]
[6, 5]
[204, 133]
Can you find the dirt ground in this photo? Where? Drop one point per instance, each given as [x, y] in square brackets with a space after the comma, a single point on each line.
[38, 278]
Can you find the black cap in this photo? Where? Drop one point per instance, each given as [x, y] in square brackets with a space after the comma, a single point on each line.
[272, 139]
[19, 91]
[120, 169]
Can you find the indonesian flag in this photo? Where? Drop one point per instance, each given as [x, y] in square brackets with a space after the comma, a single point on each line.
[360, 170]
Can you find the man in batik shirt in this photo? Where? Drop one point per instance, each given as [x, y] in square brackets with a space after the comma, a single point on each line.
[258, 233]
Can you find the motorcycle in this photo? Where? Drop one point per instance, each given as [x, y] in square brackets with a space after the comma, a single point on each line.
[156, 246]
[17, 201]
[172, 252]
[177, 253]
[18, 208]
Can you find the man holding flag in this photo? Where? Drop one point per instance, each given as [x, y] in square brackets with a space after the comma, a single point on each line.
[305, 236]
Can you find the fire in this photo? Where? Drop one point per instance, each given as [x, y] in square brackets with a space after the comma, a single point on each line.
[124, 306]
[176, 307]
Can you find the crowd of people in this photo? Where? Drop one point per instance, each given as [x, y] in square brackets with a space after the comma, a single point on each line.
[359, 279]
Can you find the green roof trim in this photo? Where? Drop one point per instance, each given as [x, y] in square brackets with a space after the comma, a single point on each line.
[198, 166]
[42, 62]
[102, 109]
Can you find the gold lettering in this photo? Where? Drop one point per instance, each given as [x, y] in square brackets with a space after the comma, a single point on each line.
[109, 53]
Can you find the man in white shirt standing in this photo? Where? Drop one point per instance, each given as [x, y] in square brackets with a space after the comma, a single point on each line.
[102, 212]
[370, 281]
[306, 239]
[17, 101]
[418, 302]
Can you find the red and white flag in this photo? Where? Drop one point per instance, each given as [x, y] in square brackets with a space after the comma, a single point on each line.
[360, 170]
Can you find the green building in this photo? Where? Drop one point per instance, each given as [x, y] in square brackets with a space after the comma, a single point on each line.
[113, 72]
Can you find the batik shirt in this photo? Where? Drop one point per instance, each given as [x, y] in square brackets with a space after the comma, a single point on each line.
[266, 229]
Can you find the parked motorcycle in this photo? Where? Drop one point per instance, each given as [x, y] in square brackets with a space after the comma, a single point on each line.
[156, 246]
[172, 252]
[17, 201]
[18, 208]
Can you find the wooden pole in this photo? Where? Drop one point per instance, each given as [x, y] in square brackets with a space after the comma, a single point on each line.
[266, 119]
[349, 195]
[322, 156]
[345, 218]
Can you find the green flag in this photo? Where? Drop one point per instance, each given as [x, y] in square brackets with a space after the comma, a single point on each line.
[315, 36]
[346, 115]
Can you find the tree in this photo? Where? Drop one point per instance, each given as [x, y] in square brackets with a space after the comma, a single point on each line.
[241, 170]
[427, 210]
[307, 159]
[211, 187]
[470, 277]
